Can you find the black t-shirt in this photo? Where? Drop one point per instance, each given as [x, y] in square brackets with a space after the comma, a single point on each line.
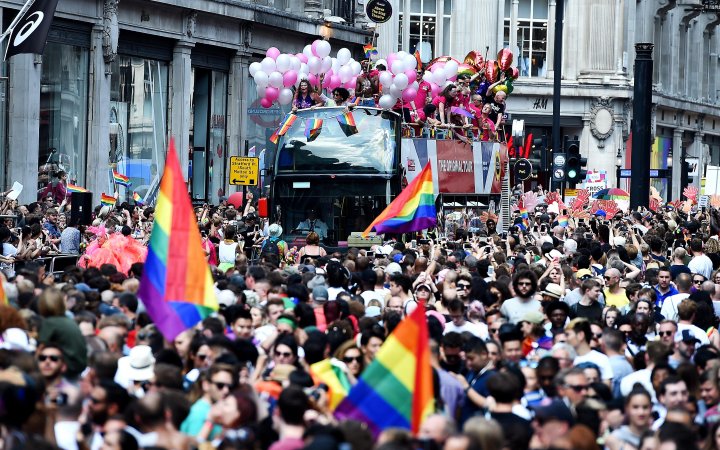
[677, 269]
[516, 430]
[496, 108]
[593, 313]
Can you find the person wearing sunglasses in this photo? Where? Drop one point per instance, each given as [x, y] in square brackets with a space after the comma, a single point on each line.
[350, 354]
[579, 334]
[51, 365]
[572, 386]
[525, 285]
[218, 382]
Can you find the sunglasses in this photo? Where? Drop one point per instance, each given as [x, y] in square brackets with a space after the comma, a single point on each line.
[349, 359]
[494, 330]
[665, 333]
[597, 336]
[608, 278]
[698, 281]
[53, 358]
[524, 283]
[463, 286]
[283, 354]
[202, 357]
[578, 387]
[221, 386]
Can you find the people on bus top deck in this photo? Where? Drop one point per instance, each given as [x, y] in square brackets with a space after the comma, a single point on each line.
[367, 85]
[340, 97]
[313, 223]
[306, 97]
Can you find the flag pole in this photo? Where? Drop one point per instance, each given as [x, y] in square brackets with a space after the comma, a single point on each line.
[17, 18]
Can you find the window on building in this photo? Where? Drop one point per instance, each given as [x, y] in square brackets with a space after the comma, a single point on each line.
[138, 123]
[63, 113]
[423, 32]
[531, 50]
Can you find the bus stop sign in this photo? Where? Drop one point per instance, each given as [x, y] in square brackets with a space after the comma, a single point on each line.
[244, 170]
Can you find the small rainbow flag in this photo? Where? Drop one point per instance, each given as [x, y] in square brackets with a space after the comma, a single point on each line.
[275, 138]
[563, 221]
[72, 188]
[107, 200]
[347, 123]
[138, 199]
[3, 295]
[121, 179]
[396, 390]
[176, 285]
[286, 124]
[330, 372]
[417, 58]
[524, 213]
[313, 128]
[412, 210]
[369, 50]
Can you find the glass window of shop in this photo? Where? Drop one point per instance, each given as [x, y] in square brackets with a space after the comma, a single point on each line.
[531, 51]
[63, 113]
[421, 32]
[207, 134]
[138, 123]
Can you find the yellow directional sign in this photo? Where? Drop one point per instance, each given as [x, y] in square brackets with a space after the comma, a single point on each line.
[244, 170]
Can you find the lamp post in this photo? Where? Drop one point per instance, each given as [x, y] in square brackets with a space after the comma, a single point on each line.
[618, 165]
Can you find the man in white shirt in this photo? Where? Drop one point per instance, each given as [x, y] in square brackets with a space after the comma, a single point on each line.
[313, 223]
[525, 286]
[579, 333]
[683, 283]
[456, 308]
[700, 263]
[686, 315]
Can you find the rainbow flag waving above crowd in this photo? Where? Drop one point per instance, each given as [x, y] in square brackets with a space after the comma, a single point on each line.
[73, 189]
[138, 199]
[396, 390]
[122, 180]
[330, 372]
[107, 200]
[176, 285]
[369, 50]
[412, 210]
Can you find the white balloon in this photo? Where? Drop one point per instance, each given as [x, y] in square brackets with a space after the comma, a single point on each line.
[400, 81]
[344, 55]
[429, 77]
[398, 66]
[410, 62]
[285, 97]
[386, 78]
[450, 69]
[268, 65]
[381, 62]
[395, 90]
[415, 85]
[386, 101]
[295, 63]
[336, 65]
[440, 76]
[275, 80]
[345, 74]
[307, 51]
[254, 67]
[260, 91]
[326, 64]
[261, 79]
[401, 54]
[304, 68]
[356, 68]
[323, 48]
[283, 62]
[315, 64]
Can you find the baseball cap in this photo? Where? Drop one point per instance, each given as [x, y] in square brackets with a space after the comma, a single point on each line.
[393, 268]
[550, 409]
[583, 274]
[320, 294]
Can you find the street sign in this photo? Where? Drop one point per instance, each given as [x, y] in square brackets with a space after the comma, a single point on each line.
[559, 174]
[703, 201]
[244, 171]
[378, 11]
[523, 169]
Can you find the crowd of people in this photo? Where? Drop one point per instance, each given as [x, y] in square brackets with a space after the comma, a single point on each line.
[598, 334]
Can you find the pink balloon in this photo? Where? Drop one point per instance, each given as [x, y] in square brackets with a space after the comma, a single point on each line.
[266, 103]
[354, 82]
[349, 85]
[409, 94]
[272, 93]
[335, 82]
[313, 47]
[329, 73]
[302, 57]
[434, 89]
[289, 78]
[326, 82]
[412, 75]
[312, 79]
[272, 52]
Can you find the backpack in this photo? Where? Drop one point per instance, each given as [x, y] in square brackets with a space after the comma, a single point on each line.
[270, 247]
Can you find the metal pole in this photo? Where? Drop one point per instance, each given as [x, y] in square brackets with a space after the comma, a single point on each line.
[642, 102]
[557, 72]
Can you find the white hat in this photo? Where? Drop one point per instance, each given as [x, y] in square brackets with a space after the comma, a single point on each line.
[226, 297]
[275, 230]
[619, 241]
[393, 268]
[138, 366]
[16, 339]
[554, 254]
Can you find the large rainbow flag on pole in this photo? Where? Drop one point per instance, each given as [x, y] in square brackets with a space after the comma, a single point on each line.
[396, 390]
[176, 285]
[412, 210]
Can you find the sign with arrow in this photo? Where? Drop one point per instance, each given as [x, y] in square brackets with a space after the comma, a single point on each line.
[244, 170]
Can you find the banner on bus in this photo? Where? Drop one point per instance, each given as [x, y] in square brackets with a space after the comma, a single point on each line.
[457, 168]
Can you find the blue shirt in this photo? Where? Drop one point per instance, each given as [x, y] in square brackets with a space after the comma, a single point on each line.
[661, 297]
[478, 383]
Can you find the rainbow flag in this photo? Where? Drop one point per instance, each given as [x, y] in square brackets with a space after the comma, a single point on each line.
[329, 371]
[176, 285]
[121, 179]
[412, 210]
[286, 124]
[524, 213]
[138, 199]
[72, 188]
[275, 138]
[369, 50]
[107, 200]
[563, 221]
[3, 295]
[312, 129]
[396, 390]
[347, 123]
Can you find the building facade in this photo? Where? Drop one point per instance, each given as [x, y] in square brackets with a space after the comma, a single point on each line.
[118, 80]
[599, 39]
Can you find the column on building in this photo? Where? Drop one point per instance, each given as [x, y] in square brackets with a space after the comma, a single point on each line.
[597, 56]
[699, 153]
[473, 26]
[663, 49]
[696, 56]
[514, 7]
[98, 146]
[23, 130]
[709, 48]
[677, 159]
[181, 92]
[387, 41]
[550, 73]
[235, 106]
[712, 86]
[574, 35]
[619, 48]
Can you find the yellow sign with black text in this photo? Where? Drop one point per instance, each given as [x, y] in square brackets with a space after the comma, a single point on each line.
[244, 170]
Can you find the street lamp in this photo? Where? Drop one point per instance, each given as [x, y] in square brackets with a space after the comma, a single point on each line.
[618, 164]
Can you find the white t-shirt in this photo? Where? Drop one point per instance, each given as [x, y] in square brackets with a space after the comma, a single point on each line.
[669, 308]
[701, 264]
[515, 309]
[599, 359]
[641, 376]
[696, 331]
[476, 329]
[373, 295]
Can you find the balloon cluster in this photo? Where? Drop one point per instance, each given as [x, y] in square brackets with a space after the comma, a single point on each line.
[493, 69]
[278, 72]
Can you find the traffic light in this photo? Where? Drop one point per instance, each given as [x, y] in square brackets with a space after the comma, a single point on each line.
[539, 153]
[575, 165]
